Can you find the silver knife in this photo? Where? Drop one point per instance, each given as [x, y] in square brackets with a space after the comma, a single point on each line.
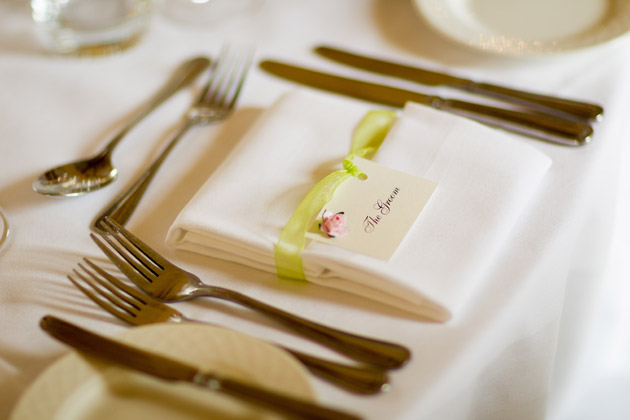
[173, 370]
[543, 103]
[540, 126]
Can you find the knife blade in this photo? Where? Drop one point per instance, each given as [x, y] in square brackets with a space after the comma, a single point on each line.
[543, 127]
[173, 370]
[543, 103]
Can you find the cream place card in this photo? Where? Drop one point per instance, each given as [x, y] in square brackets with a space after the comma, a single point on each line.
[371, 215]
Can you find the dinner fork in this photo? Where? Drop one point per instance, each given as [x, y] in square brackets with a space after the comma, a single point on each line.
[160, 278]
[216, 102]
[137, 308]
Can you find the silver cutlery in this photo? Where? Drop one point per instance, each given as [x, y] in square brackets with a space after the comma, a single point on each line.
[215, 103]
[542, 103]
[545, 127]
[175, 371]
[137, 308]
[163, 280]
[91, 174]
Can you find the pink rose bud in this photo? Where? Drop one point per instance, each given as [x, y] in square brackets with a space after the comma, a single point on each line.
[333, 225]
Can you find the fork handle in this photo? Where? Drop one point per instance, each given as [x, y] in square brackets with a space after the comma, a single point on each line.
[365, 349]
[358, 379]
[361, 380]
[124, 205]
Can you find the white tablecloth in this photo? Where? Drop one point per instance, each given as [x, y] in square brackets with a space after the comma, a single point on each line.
[548, 336]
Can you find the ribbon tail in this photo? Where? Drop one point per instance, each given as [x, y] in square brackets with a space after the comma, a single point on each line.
[367, 138]
[293, 237]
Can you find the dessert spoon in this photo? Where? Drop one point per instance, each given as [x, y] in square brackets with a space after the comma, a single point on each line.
[91, 174]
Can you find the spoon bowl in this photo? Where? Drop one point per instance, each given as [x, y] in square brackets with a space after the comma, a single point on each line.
[78, 177]
[91, 174]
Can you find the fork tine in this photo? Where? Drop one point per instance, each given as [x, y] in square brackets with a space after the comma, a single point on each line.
[222, 89]
[209, 90]
[101, 298]
[117, 287]
[108, 307]
[132, 269]
[140, 250]
[237, 79]
[241, 80]
[120, 299]
[217, 76]
[110, 293]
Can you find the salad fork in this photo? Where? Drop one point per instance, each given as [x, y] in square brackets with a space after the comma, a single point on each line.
[163, 280]
[216, 102]
[136, 308]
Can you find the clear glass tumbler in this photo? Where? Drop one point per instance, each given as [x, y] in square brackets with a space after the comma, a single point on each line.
[91, 27]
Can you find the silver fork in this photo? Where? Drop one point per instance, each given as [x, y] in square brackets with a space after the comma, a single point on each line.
[136, 308]
[163, 280]
[216, 102]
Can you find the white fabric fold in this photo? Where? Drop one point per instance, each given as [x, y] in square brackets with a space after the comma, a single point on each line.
[486, 180]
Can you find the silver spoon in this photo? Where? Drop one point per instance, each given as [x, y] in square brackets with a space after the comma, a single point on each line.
[93, 173]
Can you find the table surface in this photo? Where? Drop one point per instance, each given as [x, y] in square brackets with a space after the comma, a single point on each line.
[518, 353]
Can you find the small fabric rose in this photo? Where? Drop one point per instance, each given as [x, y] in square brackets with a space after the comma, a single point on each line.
[333, 225]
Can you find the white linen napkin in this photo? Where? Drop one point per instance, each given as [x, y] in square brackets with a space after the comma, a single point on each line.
[486, 179]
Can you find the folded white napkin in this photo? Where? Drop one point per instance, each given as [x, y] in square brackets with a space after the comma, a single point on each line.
[486, 179]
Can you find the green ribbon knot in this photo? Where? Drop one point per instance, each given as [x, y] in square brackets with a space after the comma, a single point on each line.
[352, 169]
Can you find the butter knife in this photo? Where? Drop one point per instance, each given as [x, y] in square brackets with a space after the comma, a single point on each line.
[172, 370]
[540, 126]
[535, 101]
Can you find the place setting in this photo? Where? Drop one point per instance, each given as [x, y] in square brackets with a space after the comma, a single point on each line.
[216, 102]
[343, 268]
[397, 228]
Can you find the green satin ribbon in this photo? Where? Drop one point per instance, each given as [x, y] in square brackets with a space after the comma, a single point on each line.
[367, 138]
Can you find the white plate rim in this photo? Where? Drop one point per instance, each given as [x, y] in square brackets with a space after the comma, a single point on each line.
[4, 228]
[46, 396]
[441, 16]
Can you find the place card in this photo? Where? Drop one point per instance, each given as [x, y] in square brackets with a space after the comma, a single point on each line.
[371, 215]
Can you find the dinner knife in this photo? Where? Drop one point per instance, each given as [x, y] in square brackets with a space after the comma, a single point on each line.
[540, 126]
[175, 371]
[543, 103]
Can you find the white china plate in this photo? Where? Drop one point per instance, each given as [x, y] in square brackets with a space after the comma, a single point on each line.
[527, 27]
[4, 228]
[76, 387]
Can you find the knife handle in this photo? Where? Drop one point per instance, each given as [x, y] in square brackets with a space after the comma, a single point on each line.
[549, 104]
[544, 127]
[280, 403]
